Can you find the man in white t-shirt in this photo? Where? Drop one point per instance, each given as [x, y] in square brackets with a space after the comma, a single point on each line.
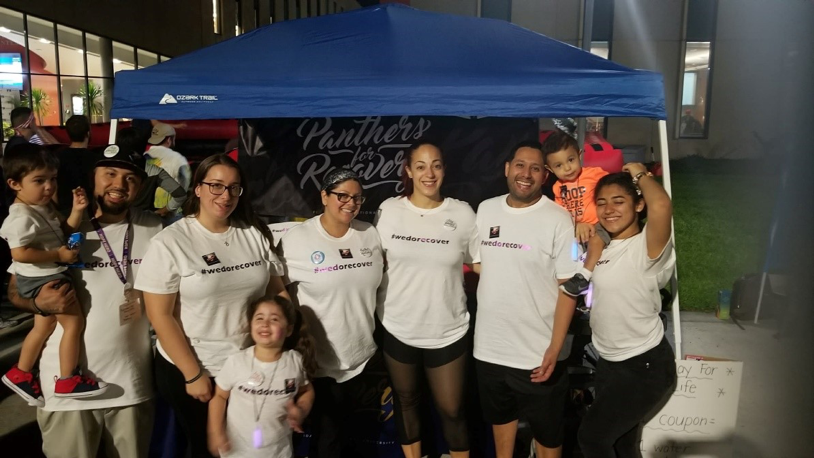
[116, 340]
[522, 317]
[161, 154]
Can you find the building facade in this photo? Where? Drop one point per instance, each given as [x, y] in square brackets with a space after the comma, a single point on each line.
[60, 58]
[735, 71]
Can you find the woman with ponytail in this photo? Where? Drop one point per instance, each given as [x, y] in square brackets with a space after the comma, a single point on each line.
[426, 239]
[266, 386]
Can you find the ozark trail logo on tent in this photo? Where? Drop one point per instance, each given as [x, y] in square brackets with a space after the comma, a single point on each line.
[188, 98]
[167, 99]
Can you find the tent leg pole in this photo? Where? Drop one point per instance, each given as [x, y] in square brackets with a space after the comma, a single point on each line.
[665, 166]
[114, 124]
[760, 295]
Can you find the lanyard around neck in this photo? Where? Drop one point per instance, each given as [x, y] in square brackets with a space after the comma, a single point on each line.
[121, 269]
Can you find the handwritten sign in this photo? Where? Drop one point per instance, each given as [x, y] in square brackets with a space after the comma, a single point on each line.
[285, 160]
[699, 419]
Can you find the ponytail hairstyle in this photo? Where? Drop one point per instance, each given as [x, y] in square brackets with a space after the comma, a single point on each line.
[406, 181]
[300, 338]
[624, 181]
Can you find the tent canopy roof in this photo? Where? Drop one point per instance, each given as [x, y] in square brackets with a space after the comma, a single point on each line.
[388, 60]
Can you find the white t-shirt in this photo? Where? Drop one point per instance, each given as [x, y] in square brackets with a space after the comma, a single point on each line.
[278, 230]
[523, 252]
[337, 279]
[118, 354]
[280, 382]
[216, 277]
[33, 226]
[626, 300]
[423, 303]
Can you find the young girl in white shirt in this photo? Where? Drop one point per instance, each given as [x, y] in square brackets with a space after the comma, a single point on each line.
[266, 386]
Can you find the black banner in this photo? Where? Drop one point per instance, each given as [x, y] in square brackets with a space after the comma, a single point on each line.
[285, 159]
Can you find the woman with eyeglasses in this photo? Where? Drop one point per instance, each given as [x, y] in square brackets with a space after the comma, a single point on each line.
[427, 238]
[334, 265]
[198, 277]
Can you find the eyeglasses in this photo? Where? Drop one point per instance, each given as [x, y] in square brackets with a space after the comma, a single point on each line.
[217, 189]
[345, 198]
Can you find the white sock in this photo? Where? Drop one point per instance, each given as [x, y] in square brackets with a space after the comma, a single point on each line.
[586, 273]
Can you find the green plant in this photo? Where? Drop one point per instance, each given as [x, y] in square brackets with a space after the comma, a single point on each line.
[8, 132]
[40, 102]
[93, 93]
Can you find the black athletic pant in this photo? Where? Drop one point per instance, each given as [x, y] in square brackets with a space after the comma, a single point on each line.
[333, 404]
[626, 392]
[445, 369]
[190, 413]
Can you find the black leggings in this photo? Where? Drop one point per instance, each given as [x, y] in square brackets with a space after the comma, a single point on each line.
[626, 392]
[190, 413]
[446, 370]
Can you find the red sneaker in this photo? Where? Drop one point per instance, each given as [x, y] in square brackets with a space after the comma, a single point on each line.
[78, 386]
[24, 384]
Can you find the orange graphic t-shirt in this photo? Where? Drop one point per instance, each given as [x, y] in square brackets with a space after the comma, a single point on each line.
[578, 196]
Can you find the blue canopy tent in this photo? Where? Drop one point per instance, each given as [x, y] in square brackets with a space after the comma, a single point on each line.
[392, 60]
[388, 60]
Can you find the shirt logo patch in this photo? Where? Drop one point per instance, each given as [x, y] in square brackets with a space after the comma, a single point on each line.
[450, 225]
[366, 252]
[211, 259]
[290, 385]
[317, 257]
[345, 253]
[494, 232]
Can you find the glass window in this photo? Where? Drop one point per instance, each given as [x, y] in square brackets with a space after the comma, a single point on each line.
[95, 51]
[600, 48]
[146, 58]
[41, 46]
[694, 90]
[99, 94]
[12, 35]
[71, 54]
[696, 75]
[216, 16]
[13, 88]
[286, 10]
[73, 101]
[298, 6]
[124, 57]
[238, 15]
[44, 99]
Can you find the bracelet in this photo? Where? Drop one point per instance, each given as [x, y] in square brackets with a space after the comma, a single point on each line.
[195, 379]
[639, 175]
[38, 310]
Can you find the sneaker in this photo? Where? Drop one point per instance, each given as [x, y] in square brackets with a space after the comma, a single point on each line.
[78, 386]
[24, 384]
[575, 285]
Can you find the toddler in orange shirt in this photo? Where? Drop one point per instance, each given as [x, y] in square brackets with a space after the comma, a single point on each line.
[574, 191]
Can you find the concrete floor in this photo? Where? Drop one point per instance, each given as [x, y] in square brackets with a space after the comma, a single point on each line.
[775, 414]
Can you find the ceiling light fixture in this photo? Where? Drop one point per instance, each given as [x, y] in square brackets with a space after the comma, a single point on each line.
[43, 40]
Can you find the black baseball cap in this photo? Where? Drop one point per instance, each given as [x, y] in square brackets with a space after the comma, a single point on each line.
[118, 157]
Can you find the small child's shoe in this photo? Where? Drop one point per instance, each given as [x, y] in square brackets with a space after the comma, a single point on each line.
[78, 386]
[575, 285]
[24, 384]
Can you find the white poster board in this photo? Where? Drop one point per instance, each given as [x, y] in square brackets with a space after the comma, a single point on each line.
[699, 419]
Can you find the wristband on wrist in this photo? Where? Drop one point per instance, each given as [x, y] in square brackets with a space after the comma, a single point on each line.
[639, 175]
[37, 309]
[195, 379]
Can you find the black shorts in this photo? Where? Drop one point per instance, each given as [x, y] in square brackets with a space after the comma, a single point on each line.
[435, 357]
[508, 394]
